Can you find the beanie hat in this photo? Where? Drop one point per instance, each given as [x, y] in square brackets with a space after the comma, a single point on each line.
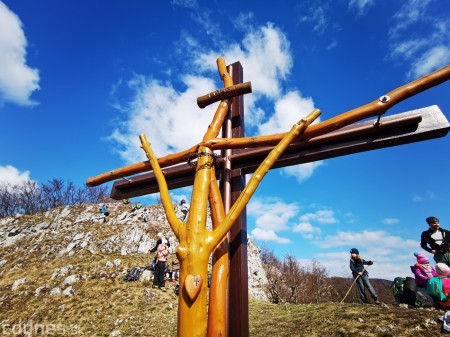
[442, 269]
[354, 251]
[421, 258]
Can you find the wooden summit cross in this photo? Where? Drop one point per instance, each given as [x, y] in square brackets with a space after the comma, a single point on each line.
[304, 143]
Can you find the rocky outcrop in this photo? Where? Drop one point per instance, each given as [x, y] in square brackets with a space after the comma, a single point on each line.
[79, 230]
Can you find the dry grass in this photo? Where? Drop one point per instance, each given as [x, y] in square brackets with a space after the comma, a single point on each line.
[335, 319]
[103, 302]
[103, 305]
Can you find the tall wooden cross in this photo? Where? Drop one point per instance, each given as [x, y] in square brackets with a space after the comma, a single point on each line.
[233, 165]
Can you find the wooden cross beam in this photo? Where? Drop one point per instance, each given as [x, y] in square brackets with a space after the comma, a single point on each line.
[408, 127]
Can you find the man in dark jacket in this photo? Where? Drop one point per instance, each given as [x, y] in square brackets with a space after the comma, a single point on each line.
[436, 241]
[362, 276]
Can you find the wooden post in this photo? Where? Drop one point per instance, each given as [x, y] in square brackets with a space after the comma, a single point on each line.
[232, 184]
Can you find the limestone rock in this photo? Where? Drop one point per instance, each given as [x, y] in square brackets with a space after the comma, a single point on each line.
[68, 291]
[18, 283]
[55, 292]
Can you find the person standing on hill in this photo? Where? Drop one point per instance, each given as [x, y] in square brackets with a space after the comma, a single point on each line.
[184, 209]
[436, 241]
[162, 250]
[361, 275]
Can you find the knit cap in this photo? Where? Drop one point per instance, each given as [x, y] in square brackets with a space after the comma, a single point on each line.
[354, 251]
[421, 258]
[442, 269]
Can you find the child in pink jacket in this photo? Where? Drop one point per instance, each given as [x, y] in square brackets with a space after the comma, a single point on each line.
[422, 270]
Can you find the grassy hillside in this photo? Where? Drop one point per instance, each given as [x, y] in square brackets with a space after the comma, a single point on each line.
[97, 302]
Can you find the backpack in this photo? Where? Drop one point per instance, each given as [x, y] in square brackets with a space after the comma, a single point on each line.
[405, 290]
[410, 292]
[151, 266]
[397, 288]
[438, 287]
[133, 274]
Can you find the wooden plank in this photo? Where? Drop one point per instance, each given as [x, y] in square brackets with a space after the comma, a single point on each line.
[408, 127]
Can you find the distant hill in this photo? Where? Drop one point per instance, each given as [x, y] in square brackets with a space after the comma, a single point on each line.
[61, 274]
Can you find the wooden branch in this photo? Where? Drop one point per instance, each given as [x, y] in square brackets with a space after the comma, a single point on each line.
[375, 108]
[261, 171]
[224, 106]
[145, 166]
[224, 93]
[172, 218]
[223, 72]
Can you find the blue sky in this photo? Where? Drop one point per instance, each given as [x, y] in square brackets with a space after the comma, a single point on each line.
[79, 81]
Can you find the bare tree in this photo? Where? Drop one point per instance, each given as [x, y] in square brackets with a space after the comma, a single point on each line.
[293, 278]
[272, 266]
[319, 275]
[30, 198]
[289, 282]
[8, 200]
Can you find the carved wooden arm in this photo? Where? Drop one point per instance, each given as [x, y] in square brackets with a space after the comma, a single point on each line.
[174, 222]
[299, 128]
[374, 108]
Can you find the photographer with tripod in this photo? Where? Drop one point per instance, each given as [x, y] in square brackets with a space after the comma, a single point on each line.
[436, 241]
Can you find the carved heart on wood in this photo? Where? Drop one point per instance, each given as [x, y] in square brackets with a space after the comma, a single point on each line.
[193, 284]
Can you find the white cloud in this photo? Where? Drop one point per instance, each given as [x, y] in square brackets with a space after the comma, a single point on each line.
[9, 175]
[332, 45]
[411, 12]
[185, 3]
[419, 38]
[271, 216]
[289, 109]
[169, 118]
[17, 80]
[367, 238]
[361, 6]
[409, 48]
[421, 197]
[317, 14]
[301, 172]
[390, 221]
[268, 235]
[417, 198]
[435, 58]
[320, 216]
[307, 230]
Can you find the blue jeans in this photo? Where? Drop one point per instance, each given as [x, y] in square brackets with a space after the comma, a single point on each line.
[363, 283]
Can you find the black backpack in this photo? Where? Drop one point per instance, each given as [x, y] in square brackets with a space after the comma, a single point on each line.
[133, 274]
[405, 290]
